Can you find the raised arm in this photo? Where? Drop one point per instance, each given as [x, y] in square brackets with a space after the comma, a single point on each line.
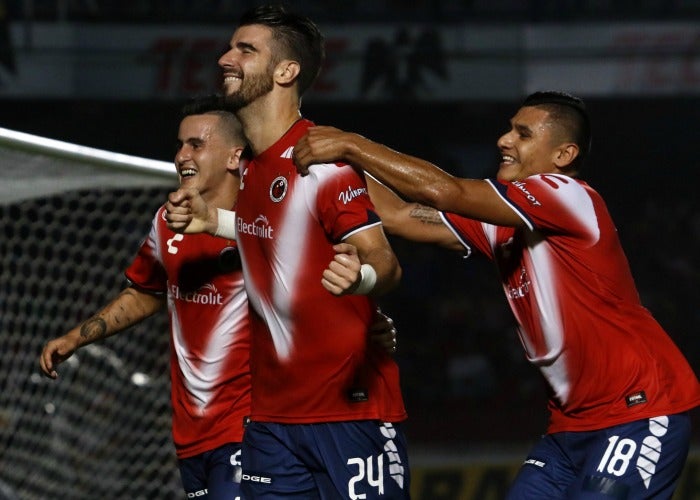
[129, 307]
[411, 221]
[415, 179]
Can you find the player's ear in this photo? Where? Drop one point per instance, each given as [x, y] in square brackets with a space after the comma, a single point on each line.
[286, 71]
[234, 158]
[565, 155]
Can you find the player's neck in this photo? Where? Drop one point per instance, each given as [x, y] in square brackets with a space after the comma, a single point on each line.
[223, 197]
[268, 118]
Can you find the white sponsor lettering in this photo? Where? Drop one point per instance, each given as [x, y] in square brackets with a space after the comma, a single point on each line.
[236, 463]
[349, 194]
[236, 458]
[522, 289]
[198, 494]
[260, 228]
[530, 197]
[210, 297]
[256, 479]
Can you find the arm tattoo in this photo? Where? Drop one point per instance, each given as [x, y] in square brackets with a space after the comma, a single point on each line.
[426, 215]
[94, 328]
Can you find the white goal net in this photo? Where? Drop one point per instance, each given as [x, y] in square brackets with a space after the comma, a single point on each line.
[72, 219]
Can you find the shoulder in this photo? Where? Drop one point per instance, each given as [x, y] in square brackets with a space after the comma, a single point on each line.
[549, 187]
[323, 172]
[552, 182]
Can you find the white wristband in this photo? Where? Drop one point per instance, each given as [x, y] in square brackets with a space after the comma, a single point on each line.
[368, 278]
[226, 227]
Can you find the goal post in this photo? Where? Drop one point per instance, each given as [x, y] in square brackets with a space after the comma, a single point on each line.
[41, 166]
[73, 218]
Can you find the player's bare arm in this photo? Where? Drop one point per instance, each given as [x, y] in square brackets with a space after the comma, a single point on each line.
[411, 221]
[321, 144]
[128, 308]
[342, 276]
[373, 249]
[415, 179]
[363, 264]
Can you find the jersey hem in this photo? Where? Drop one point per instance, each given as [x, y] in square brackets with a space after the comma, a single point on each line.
[324, 419]
[209, 446]
[553, 429]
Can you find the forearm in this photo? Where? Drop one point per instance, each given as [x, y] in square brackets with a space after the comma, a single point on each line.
[386, 268]
[128, 308]
[414, 178]
[364, 264]
[411, 221]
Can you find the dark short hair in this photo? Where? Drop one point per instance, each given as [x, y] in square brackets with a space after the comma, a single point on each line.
[200, 105]
[570, 112]
[215, 104]
[298, 37]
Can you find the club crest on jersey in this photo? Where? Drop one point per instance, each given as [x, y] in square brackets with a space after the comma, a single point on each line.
[278, 189]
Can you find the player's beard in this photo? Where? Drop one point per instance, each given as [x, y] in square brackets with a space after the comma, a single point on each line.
[252, 87]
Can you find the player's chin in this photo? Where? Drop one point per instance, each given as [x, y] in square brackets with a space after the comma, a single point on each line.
[507, 172]
[189, 182]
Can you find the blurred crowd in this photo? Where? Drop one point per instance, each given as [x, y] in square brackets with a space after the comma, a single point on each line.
[352, 11]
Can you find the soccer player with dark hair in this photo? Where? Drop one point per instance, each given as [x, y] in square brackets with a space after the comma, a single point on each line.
[199, 278]
[325, 410]
[619, 388]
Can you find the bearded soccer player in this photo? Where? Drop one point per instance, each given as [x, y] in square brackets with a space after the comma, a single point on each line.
[325, 410]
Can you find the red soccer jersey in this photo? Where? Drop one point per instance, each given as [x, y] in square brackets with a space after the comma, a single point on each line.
[580, 319]
[310, 357]
[210, 333]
